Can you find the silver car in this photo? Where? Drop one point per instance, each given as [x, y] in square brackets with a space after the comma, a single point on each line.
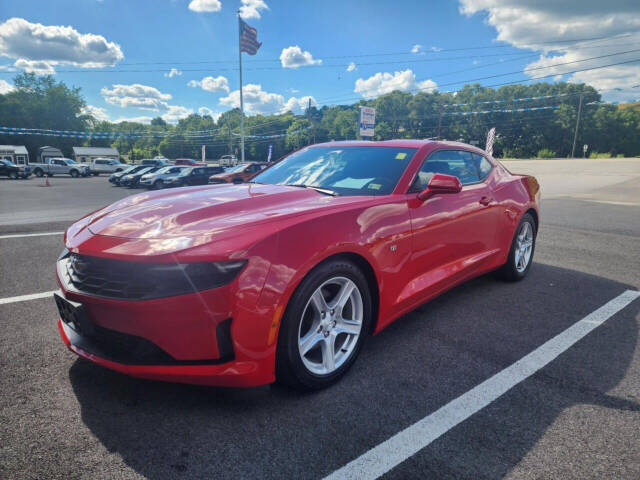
[157, 180]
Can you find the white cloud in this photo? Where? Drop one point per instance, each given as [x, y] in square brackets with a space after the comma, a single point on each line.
[548, 27]
[251, 8]
[53, 44]
[136, 95]
[173, 73]
[6, 87]
[257, 101]
[211, 84]
[204, 111]
[351, 67]
[417, 48]
[385, 82]
[35, 66]
[98, 113]
[176, 112]
[294, 57]
[202, 6]
[299, 105]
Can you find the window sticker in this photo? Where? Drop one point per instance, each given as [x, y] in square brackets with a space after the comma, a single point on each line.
[374, 186]
[401, 156]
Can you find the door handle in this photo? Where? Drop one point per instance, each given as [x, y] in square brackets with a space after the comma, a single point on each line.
[486, 201]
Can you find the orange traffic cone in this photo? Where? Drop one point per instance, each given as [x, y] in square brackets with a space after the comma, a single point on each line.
[46, 182]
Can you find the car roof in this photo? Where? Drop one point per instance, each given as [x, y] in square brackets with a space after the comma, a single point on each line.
[400, 143]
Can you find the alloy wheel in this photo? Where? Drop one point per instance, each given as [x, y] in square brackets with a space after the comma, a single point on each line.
[524, 247]
[330, 326]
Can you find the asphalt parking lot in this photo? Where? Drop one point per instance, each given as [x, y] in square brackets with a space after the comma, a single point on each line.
[576, 416]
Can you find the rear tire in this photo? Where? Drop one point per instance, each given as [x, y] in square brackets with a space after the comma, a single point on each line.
[38, 172]
[158, 185]
[13, 175]
[332, 339]
[521, 253]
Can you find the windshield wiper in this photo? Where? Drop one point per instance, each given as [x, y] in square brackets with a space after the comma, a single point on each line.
[326, 191]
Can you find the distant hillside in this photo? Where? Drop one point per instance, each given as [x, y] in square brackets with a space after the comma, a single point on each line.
[632, 105]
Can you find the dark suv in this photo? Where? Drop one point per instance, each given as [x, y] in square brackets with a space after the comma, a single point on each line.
[194, 176]
[13, 171]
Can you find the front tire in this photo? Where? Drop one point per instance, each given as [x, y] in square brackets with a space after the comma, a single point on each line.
[13, 175]
[324, 326]
[521, 253]
[158, 185]
[73, 173]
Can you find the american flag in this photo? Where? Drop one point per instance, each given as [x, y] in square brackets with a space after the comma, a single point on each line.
[490, 138]
[248, 39]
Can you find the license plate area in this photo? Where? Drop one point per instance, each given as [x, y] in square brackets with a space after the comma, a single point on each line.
[74, 314]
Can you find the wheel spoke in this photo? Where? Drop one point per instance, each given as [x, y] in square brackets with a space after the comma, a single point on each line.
[318, 302]
[328, 354]
[343, 295]
[350, 327]
[310, 340]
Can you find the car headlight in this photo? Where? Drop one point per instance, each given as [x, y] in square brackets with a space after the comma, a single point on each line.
[144, 281]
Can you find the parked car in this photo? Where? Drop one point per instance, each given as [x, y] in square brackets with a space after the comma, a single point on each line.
[155, 162]
[116, 177]
[189, 162]
[132, 180]
[193, 176]
[106, 165]
[238, 174]
[13, 171]
[157, 180]
[228, 160]
[283, 280]
[59, 166]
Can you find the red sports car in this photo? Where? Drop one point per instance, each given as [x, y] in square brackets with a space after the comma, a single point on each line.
[284, 277]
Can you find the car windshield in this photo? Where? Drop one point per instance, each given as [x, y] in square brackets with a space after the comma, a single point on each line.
[7, 162]
[185, 172]
[69, 161]
[144, 170]
[344, 170]
[165, 170]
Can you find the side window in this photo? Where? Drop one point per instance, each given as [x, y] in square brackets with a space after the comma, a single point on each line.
[459, 163]
[197, 171]
[484, 166]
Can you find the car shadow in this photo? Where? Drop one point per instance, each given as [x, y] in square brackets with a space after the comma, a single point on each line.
[418, 364]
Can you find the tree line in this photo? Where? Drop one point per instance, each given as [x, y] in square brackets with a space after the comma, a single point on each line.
[42, 102]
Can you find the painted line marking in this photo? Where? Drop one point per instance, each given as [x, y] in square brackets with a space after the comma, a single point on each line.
[22, 235]
[24, 298]
[392, 452]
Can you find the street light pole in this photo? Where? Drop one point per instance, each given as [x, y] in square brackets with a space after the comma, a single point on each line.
[575, 135]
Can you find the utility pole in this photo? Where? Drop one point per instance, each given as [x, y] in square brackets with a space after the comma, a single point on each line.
[575, 135]
[309, 121]
[241, 99]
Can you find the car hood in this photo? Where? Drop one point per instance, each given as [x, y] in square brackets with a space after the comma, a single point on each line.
[208, 211]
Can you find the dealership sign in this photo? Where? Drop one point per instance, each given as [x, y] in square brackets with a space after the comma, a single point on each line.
[367, 121]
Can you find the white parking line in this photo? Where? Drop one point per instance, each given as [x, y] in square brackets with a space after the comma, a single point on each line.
[24, 298]
[21, 235]
[382, 458]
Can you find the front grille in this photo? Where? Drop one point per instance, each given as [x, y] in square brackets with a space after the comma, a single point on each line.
[107, 278]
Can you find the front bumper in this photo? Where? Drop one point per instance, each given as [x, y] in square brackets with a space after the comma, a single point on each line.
[227, 374]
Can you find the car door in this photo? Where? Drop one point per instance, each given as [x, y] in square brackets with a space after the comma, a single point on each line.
[196, 177]
[453, 235]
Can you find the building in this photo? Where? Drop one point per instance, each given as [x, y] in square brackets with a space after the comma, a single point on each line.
[48, 152]
[86, 154]
[14, 153]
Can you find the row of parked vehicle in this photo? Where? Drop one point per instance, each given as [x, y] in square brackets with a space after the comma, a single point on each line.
[158, 174]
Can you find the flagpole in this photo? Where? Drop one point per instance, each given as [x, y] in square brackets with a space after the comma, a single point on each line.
[241, 99]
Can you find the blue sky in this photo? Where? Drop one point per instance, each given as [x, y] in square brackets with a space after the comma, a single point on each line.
[307, 47]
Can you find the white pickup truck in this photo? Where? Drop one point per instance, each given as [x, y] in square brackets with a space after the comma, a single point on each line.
[106, 165]
[59, 166]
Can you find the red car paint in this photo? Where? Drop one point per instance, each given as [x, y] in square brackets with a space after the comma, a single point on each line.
[413, 250]
[250, 169]
[189, 162]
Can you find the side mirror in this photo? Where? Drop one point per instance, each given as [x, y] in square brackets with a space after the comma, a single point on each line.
[439, 184]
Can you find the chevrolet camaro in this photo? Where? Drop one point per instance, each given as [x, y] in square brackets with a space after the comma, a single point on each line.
[284, 277]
